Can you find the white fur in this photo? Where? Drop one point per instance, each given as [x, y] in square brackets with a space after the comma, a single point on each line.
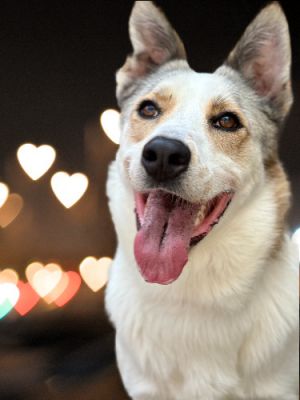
[227, 328]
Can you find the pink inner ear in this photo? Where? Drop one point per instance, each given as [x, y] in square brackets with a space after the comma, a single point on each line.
[159, 56]
[157, 45]
[268, 67]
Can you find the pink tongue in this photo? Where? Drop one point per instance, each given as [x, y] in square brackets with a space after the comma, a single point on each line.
[161, 245]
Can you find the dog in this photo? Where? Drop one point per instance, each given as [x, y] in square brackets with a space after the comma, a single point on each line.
[203, 289]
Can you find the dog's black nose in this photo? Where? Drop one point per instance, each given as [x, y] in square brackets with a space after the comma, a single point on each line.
[165, 158]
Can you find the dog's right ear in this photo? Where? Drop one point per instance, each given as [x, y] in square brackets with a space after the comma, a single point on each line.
[154, 43]
[263, 58]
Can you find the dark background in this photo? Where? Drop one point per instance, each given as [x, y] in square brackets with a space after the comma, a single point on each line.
[57, 65]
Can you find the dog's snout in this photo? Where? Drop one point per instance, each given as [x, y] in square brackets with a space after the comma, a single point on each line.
[165, 158]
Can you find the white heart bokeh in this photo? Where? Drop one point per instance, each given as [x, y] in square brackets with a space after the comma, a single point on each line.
[110, 122]
[95, 272]
[10, 292]
[36, 160]
[4, 192]
[43, 279]
[69, 188]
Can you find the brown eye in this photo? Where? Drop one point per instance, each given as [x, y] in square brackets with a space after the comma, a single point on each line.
[227, 122]
[148, 110]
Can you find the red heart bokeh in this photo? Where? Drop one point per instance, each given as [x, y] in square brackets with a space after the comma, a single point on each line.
[71, 290]
[28, 298]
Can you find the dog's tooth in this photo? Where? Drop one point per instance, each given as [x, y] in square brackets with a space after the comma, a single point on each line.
[197, 221]
[202, 208]
[201, 214]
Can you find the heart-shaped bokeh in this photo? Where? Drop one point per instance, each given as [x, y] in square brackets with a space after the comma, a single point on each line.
[10, 210]
[58, 290]
[43, 279]
[36, 160]
[110, 122]
[4, 192]
[28, 298]
[69, 188]
[9, 275]
[9, 295]
[95, 272]
[74, 282]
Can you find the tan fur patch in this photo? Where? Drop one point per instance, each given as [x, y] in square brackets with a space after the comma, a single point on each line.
[233, 144]
[282, 197]
[220, 105]
[141, 128]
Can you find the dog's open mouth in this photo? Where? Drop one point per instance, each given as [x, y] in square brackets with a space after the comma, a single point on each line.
[167, 227]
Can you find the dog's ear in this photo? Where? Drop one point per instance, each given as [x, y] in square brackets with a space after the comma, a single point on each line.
[154, 43]
[263, 57]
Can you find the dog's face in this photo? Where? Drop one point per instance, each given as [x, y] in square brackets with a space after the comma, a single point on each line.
[193, 142]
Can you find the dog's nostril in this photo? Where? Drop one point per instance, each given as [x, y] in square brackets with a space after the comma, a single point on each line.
[150, 155]
[177, 159]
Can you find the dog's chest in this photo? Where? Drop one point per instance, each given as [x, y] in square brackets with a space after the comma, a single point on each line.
[176, 348]
[183, 336]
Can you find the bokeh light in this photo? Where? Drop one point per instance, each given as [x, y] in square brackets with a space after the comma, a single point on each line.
[9, 275]
[74, 282]
[4, 192]
[110, 122]
[50, 283]
[28, 298]
[44, 279]
[95, 272]
[11, 209]
[69, 188]
[9, 295]
[35, 160]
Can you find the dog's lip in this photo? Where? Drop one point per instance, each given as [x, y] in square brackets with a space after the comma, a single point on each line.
[214, 210]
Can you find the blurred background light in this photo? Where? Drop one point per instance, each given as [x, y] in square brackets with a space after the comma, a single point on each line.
[44, 279]
[58, 288]
[11, 209]
[28, 298]
[95, 272]
[9, 275]
[110, 122]
[4, 192]
[9, 295]
[74, 282]
[69, 188]
[36, 160]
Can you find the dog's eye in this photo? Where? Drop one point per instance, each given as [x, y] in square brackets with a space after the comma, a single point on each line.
[227, 122]
[148, 109]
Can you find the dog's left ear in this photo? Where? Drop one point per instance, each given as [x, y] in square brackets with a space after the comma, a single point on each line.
[263, 57]
[154, 43]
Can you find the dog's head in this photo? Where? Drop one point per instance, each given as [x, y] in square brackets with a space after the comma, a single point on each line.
[192, 142]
